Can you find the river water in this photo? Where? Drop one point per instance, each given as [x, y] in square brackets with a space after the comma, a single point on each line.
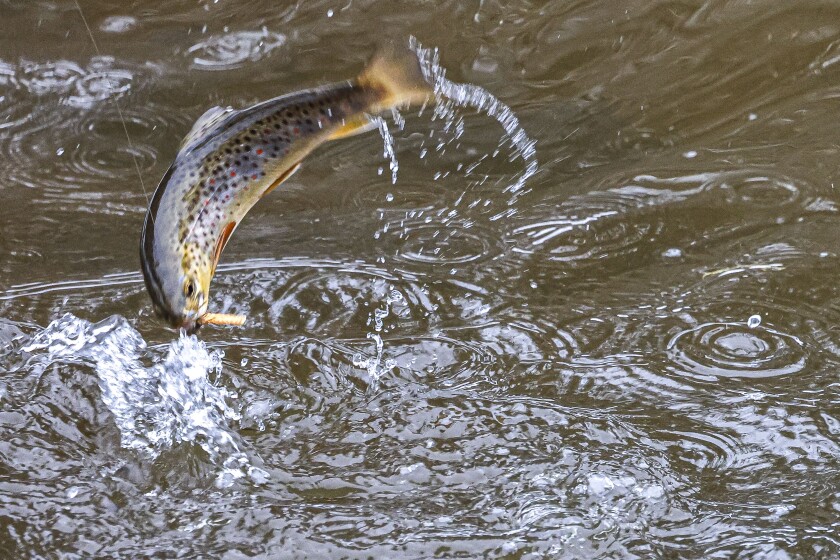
[622, 346]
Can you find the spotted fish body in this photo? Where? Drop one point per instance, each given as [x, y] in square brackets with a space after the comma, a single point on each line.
[232, 158]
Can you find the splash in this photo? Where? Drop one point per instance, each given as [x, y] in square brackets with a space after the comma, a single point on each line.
[155, 407]
[451, 95]
[388, 146]
[373, 364]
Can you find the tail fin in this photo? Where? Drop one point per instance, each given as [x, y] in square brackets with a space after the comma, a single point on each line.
[395, 70]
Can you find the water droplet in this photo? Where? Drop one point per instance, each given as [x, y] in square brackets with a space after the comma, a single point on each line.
[691, 154]
[389, 197]
[330, 13]
[672, 253]
[754, 321]
[752, 116]
[244, 362]
[388, 151]
[452, 95]
[59, 152]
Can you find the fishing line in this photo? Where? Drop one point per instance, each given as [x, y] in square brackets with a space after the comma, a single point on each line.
[117, 105]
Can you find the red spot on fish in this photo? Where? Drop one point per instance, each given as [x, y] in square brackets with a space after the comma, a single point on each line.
[233, 173]
[212, 181]
[259, 152]
[253, 177]
[297, 131]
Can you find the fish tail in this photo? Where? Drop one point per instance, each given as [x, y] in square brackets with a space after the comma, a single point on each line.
[394, 72]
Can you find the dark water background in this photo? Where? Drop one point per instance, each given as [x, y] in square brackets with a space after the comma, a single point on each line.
[638, 358]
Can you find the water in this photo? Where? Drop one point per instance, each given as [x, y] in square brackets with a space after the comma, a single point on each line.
[610, 337]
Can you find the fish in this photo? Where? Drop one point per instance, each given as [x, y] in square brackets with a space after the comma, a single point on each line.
[231, 158]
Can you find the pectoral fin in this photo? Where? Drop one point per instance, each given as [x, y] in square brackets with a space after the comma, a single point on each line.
[352, 127]
[221, 242]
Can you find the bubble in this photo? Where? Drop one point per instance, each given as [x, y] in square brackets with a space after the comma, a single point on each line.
[754, 321]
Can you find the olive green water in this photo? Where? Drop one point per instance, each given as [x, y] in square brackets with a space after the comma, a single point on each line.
[635, 358]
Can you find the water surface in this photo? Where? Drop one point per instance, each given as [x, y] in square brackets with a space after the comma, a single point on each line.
[631, 353]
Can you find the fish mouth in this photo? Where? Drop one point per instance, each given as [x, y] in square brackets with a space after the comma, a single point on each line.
[190, 327]
[189, 323]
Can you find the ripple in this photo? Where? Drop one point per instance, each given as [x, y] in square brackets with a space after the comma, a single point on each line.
[328, 298]
[324, 368]
[405, 196]
[232, 50]
[706, 448]
[61, 150]
[149, 122]
[49, 77]
[736, 350]
[14, 108]
[47, 156]
[762, 191]
[441, 357]
[99, 85]
[602, 235]
[438, 240]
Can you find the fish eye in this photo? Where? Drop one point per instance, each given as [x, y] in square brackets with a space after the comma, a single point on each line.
[189, 288]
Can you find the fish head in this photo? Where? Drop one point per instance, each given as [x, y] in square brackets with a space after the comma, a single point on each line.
[179, 285]
[176, 268]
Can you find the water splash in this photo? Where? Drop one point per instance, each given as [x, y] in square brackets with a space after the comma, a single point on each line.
[372, 364]
[451, 95]
[155, 407]
[388, 146]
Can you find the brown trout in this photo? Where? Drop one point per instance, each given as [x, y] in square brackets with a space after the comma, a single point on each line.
[232, 158]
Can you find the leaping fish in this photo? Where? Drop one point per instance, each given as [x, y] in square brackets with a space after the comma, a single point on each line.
[232, 158]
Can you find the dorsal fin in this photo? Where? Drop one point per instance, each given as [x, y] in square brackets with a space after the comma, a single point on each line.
[211, 119]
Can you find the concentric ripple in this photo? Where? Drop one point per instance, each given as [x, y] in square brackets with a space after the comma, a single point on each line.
[762, 191]
[50, 77]
[435, 239]
[736, 350]
[588, 239]
[224, 52]
[405, 196]
[66, 150]
[99, 85]
[79, 87]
